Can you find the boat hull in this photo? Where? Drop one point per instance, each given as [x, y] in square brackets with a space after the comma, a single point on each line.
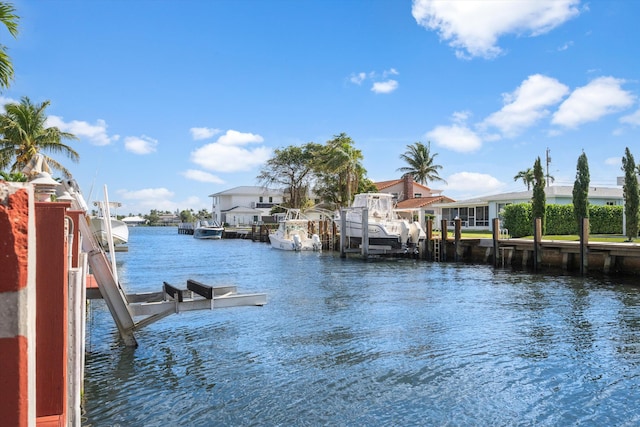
[213, 233]
[119, 231]
[294, 244]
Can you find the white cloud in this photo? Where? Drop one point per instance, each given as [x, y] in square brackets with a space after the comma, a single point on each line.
[148, 198]
[358, 78]
[632, 119]
[226, 155]
[202, 176]
[145, 200]
[4, 101]
[613, 161]
[96, 134]
[390, 72]
[203, 133]
[473, 183]
[600, 97]
[385, 87]
[473, 27]
[140, 145]
[381, 83]
[233, 137]
[565, 46]
[456, 137]
[527, 104]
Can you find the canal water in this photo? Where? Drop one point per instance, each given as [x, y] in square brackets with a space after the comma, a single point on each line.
[345, 342]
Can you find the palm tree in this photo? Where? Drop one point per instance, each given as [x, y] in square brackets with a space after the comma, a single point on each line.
[10, 20]
[24, 135]
[421, 163]
[343, 161]
[526, 176]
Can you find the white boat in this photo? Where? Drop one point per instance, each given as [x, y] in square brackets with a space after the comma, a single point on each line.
[205, 230]
[386, 229]
[119, 229]
[293, 234]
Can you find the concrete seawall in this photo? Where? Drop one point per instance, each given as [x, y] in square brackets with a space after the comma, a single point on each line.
[601, 257]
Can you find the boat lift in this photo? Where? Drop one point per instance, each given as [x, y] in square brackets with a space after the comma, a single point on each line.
[153, 306]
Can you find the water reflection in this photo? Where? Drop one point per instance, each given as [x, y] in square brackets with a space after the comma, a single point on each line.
[346, 342]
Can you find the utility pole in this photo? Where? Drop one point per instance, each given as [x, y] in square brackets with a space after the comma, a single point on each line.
[548, 161]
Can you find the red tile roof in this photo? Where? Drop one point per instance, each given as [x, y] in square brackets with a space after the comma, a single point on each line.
[420, 202]
[381, 185]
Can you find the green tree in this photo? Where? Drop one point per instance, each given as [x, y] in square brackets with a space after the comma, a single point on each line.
[526, 176]
[153, 217]
[293, 168]
[339, 170]
[24, 134]
[539, 199]
[14, 177]
[10, 21]
[630, 194]
[187, 216]
[581, 190]
[421, 163]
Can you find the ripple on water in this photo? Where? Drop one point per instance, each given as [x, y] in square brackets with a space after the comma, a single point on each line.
[346, 342]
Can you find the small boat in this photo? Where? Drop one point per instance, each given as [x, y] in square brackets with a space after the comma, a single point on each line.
[293, 234]
[206, 230]
[385, 227]
[98, 225]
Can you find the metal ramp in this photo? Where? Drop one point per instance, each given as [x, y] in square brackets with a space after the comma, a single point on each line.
[150, 307]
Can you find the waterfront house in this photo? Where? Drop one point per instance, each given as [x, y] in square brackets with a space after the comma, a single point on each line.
[244, 205]
[416, 199]
[477, 213]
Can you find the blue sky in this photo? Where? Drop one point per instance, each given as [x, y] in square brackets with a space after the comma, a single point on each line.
[175, 100]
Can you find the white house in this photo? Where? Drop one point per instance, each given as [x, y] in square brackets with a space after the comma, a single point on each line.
[244, 205]
[477, 213]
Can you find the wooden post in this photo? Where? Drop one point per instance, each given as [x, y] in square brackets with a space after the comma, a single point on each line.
[445, 235]
[365, 233]
[496, 237]
[428, 253]
[343, 228]
[457, 237]
[537, 238]
[584, 249]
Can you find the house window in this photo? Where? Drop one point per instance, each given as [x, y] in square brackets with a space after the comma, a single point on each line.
[611, 203]
[270, 199]
[260, 200]
[482, 216]
[417, 195]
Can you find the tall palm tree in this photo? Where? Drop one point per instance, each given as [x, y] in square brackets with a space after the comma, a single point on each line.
[421, 163]
[526, 176]
[343, 160]
[10, 21]
[24, 134]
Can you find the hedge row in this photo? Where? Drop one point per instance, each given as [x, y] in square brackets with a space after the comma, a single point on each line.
[560, 220]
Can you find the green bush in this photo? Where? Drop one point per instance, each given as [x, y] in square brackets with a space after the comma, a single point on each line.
[517, 219]
[605, 219]
[561, 221]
